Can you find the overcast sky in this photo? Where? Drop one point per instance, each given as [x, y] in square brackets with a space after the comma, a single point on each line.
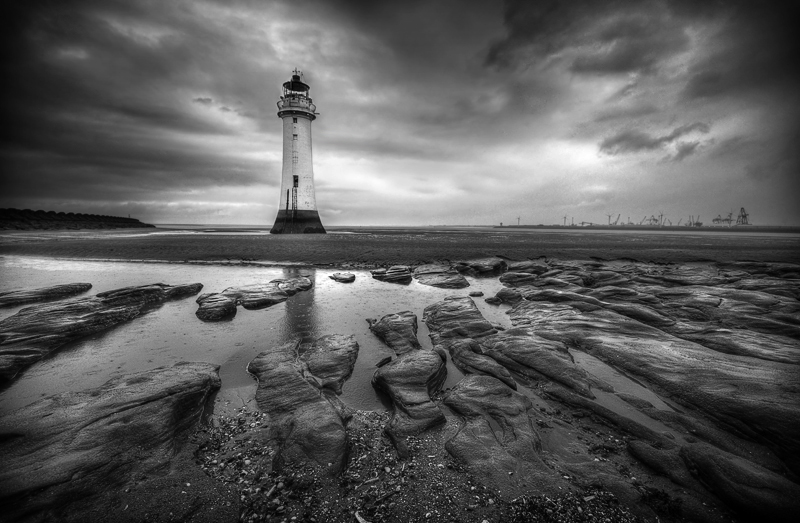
[439, 112]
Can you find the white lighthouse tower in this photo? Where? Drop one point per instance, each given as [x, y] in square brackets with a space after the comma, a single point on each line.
[297, 212]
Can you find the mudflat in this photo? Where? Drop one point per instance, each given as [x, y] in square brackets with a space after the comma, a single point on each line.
[373, 247]
[486, 375]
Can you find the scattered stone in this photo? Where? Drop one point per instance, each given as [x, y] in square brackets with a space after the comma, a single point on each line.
[395, 274]
[21, 297]
[484, 267]
[456, 317]
[476, 294]
[517, 279]
[441, 276]
[508, 295]
[36, 331]
[398, 331]
[528, 266]
[343, 277]
[220, 306]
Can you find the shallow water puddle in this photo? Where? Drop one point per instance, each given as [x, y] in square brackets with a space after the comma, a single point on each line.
[172, 333]
[619, 381]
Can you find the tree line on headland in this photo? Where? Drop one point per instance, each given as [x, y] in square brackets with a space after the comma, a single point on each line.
[26, 219]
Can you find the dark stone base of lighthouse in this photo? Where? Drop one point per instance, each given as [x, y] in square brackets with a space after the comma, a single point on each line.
[297, 222]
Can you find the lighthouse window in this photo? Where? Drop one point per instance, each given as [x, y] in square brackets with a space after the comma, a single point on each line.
[294, 137]
[294, 120]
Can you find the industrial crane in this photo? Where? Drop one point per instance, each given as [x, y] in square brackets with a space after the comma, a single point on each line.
[744, 218]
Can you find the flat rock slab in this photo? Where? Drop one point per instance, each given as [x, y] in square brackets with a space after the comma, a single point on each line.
[498, 441]
[529, 266]
[36, 331]
[467, 355]
[306, 418]
[56, 292]
[517, 279]
[343, 277]
[409, 381]
[441, 276]
[76, 445]
[396, 274]
[456, 317]
[532, 356]
[753, 490]
[398, 331]
[222, 305]
[759, 401]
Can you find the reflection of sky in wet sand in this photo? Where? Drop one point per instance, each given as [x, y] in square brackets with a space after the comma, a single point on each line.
[171, 332]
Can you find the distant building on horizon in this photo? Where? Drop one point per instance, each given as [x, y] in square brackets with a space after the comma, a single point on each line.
[297, 211]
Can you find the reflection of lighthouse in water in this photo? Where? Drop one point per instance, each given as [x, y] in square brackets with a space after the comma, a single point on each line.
[297, 210]
[299, 318]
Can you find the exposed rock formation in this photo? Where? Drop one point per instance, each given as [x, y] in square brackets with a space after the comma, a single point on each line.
[36, 331]
[757, 401]
[517, 279]
[497, 441]
[468, 357]
[298, 392]
[528, 266]
[522, 351]
[77, 445]
[222, 305]
[409, 381]
[21, 297]
[330, 361]
[483, 267]
[456, 317]
[394, 274]
[398, 331]
[343, 277]
[441, 276]
[752, 490]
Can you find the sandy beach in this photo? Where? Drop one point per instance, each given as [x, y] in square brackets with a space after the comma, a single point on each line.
[375, 247]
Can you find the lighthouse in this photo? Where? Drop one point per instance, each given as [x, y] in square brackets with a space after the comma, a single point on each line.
[297, 210]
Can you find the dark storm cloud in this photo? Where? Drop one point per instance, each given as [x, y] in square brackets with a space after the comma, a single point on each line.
[95, 94]
[631, 141]
[756, 48]
[424, 105]
[603, 37]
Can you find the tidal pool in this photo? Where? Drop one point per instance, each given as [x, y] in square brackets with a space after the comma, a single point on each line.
[172, 333]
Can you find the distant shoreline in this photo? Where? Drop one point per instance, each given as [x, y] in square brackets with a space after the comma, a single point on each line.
[361, 247]
[735, 229]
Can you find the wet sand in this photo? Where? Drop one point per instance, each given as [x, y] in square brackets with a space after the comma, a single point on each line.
[373, 247]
